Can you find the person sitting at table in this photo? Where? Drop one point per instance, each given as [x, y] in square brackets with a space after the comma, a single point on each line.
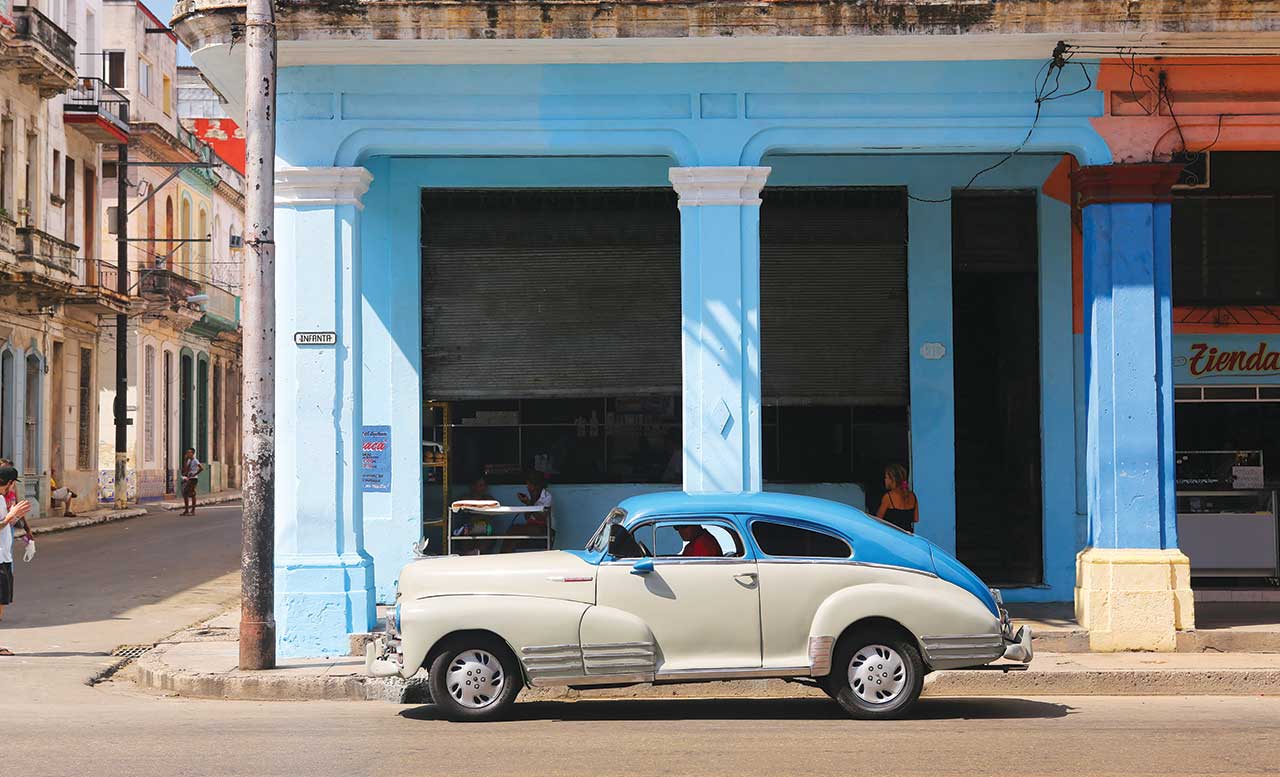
[479, 490]
[537, 495]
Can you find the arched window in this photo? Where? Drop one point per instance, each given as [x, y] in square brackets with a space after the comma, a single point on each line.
[168, 227]
[31, 417]
[202, 249]
[152, 248]
[184, 232]
[149, 404]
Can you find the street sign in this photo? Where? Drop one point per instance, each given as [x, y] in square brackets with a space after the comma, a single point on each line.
[315, 338]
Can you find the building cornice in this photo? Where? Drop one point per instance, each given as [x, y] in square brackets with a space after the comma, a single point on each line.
[304, 186]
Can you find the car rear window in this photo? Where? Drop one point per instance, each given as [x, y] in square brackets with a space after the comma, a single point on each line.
[780, 539]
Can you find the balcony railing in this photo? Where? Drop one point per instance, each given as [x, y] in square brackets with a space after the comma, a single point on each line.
[49, 58]
[96, 272]
[222, 304]
[8, 234]
[168, 284]
[93, 98]
[46, 252]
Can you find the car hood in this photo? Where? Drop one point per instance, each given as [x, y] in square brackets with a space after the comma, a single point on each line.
[548, 574]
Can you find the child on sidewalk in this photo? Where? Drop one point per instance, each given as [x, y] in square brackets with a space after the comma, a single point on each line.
[14, 512]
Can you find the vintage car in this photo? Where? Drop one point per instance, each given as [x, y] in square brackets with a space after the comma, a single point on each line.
[679, 588]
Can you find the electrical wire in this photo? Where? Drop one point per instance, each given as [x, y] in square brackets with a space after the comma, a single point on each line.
[1053, 67]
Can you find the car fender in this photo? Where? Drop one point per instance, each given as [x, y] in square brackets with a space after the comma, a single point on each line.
[616, 642]
[524, 622]
[945, 620]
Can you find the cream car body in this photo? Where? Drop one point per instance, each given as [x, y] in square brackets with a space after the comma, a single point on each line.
[627, 610]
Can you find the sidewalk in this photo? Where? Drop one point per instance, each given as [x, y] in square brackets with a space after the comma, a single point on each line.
[201, 663]
[56, 523]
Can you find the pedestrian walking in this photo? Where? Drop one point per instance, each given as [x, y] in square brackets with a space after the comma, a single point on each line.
[191, 469]
[14, 513]
[899, 505]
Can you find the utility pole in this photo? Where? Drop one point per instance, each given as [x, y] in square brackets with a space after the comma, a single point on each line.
[121, 408]
[258, 306]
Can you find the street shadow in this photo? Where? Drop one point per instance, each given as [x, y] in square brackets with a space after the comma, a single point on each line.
[97, 574]
[986, 708]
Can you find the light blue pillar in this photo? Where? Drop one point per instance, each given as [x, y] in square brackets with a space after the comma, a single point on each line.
[933, 407]
[1128, 356]
[720, 343]
[324, 579]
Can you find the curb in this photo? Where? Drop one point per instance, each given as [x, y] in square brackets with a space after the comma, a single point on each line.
[151, 672]
[119, 515]
[215, 499]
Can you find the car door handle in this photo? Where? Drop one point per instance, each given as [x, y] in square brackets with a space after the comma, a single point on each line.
[746, 577]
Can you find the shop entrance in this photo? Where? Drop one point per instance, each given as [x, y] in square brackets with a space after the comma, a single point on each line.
[551, 329]
[995, 282]
[833, 319]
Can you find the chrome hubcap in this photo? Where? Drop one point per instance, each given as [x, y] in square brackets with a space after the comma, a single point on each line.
[475, 678]
[877, 674]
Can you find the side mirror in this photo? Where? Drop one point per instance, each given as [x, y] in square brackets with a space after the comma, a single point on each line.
[642, 567]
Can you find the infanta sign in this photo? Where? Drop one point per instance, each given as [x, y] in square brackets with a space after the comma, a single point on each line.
[1205, 360]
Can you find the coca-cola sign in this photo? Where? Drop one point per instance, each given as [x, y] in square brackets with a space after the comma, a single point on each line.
[1206, 360]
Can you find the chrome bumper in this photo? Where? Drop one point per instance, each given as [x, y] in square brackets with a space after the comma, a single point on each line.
[1017, 646]
[380, 660]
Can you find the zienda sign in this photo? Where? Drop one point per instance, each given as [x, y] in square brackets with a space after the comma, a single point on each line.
[1206, 361]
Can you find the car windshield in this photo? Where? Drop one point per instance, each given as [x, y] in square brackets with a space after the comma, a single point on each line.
[599, 541]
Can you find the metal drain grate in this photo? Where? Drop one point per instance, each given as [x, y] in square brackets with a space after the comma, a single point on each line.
[130, 651]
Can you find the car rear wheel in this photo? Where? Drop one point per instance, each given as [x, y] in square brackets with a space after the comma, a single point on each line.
[876, 674]
[474, 678]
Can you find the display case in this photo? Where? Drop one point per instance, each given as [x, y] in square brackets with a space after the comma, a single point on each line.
[1226, 519]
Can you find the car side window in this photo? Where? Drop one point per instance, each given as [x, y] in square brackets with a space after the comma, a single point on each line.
[696, 539]
[782, 540]
[623, 544]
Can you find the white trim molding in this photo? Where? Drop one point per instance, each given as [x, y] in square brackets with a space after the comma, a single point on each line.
[718, 185]
[302, 186]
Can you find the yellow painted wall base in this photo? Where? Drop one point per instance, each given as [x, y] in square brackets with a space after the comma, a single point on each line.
[1132, 599]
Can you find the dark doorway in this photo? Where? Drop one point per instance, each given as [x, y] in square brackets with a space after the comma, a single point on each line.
[186, 387]
[999, 512]
[169, 479]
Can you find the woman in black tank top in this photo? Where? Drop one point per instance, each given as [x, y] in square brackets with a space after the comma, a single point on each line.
[899, 505]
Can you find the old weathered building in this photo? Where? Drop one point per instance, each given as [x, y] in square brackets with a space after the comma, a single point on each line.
[743, 245]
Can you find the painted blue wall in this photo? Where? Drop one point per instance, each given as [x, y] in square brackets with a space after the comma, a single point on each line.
[923, 124]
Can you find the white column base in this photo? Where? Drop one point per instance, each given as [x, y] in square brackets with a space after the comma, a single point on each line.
[1133, 599]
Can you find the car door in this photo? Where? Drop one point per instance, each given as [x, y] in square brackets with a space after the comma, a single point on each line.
[703, 607]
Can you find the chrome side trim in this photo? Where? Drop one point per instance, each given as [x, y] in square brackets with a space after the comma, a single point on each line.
[680, 560]
[820, 649]
[619, 658]
[962, 647]
[740, 673]
[539, 649]
[603, 679]
[845, 562]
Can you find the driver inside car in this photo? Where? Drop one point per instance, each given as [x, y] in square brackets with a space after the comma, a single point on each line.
[698, 541]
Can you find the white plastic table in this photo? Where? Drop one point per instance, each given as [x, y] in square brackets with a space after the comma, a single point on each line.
[511, 510]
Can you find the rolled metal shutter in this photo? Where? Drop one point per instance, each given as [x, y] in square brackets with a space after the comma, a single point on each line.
[833, 312]
[550, 293]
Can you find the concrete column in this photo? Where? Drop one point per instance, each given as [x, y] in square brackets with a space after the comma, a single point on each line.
[720, 344]
[324, 578]
[933, 406]
[1133, 589]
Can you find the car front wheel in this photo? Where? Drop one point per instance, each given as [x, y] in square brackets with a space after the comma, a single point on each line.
[474, 678]
[876, 675]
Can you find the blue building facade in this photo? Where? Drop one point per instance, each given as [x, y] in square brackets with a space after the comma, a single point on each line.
[359, 144]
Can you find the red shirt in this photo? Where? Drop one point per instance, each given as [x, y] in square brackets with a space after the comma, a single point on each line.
[702, 545]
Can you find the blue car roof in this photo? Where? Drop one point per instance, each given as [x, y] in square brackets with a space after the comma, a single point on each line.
[841, 517]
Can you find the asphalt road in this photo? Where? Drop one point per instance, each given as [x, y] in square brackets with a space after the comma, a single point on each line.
[90, 590]
[120, 733]
[93, 589]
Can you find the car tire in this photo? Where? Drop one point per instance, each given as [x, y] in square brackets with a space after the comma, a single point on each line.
[876, 674]
[474, 677]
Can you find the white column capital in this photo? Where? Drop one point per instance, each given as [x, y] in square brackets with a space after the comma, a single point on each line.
[718, 185]
[299, 186]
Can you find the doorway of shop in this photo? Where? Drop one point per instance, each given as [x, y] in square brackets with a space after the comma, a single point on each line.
[995, 283]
